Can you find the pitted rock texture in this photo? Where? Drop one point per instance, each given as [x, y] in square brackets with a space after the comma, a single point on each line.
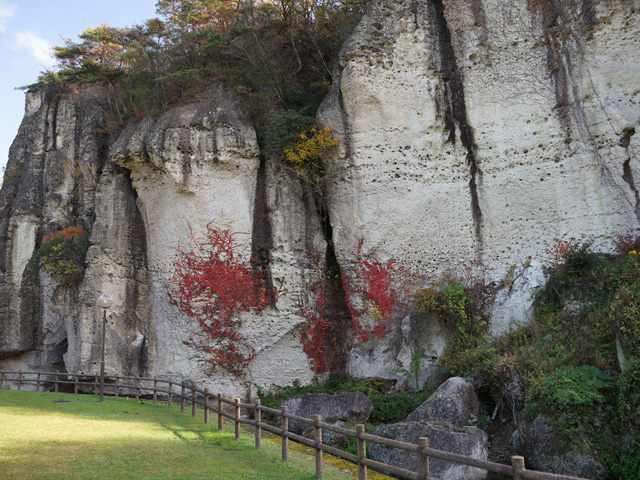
[475, 130]
[198, 164]
[470, 130]
[483, 130]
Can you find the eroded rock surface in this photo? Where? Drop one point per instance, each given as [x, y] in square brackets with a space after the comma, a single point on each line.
[470, 130]
[344, 409]
[468, 441]
[444, 418]
[454, 402]
[544, 452]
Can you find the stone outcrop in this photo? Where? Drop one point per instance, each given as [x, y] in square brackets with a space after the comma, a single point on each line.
[544, 452]
[513, 304]
[469, 131]
[49, 183]
[475, 130]
[343, 409]
[444, 419]
[482, 130]
[454, 402]
[468, 441]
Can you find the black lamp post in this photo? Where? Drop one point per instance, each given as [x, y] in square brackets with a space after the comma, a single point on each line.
[104, 302]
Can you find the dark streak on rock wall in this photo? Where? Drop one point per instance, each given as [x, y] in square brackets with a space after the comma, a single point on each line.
[456, 111]
[261, 239]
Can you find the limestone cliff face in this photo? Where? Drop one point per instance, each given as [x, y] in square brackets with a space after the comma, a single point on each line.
[470, 130]
[49, 183]
[480, 131]
[483, 129]
[196, 165]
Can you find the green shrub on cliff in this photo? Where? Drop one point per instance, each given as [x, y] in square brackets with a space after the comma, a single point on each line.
[565, 364]
[62, 255]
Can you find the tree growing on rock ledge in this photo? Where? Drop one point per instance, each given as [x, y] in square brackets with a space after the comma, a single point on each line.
[213, 283]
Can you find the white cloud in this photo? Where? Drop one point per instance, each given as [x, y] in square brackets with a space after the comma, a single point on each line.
[37, 46]
[6, 11]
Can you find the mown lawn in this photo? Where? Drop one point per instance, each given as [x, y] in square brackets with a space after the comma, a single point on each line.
[122, 439]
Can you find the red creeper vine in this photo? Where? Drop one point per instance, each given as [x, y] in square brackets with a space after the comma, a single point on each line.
[213, 283]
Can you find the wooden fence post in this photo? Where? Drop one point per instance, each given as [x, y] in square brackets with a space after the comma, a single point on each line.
[517, 467]
[285, 431]
[170, 392]
[206, 406]
[1, 379]
[236, 416]
[258, 417]
[137, 388]
[155, 390]
[193, 400]
[220, 417]
[423, 460]
[56, 383]
[362, 452]
[75, 383]
[318, 438]
[182, 399]
[19, 380]
[38, 382]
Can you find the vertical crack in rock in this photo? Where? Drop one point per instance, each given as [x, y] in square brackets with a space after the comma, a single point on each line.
[336, 309]
[346, 129]
[456, 113]
[54, 124]
[627, 175]
[137, 312]
[261, 238]
[185, 147]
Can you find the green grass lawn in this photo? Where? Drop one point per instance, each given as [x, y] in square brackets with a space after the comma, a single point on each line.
[122, 439]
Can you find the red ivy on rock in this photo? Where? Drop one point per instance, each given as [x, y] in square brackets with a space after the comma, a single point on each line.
[322, 334]
[375, 294]
[374, 297]
[213, 283]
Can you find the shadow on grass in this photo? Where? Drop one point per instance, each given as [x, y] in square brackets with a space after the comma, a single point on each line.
[123, 439]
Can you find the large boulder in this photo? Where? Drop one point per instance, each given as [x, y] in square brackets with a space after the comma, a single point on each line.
[468, 441]
[442, 419]
[454, 402]
[539, 444]
[342, 409]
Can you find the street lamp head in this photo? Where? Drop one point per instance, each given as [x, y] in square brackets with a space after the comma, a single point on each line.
[105, 301]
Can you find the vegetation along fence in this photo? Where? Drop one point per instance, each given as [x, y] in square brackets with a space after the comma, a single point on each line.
[231, 410]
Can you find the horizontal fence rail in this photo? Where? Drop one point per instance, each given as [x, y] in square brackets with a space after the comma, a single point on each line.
[232, 410]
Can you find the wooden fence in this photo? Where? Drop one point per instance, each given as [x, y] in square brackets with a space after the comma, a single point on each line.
[231, 410]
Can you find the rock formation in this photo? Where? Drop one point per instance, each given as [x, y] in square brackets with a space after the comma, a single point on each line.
[469, 131]
[343, 409]
[444, 419]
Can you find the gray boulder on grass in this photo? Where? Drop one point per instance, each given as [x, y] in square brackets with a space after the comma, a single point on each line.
[468, 441]
[343, 409]
[442, 418]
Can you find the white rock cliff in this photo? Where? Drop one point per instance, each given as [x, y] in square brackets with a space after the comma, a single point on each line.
[470, 130]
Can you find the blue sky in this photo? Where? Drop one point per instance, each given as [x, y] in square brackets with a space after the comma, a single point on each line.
[28, 31]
